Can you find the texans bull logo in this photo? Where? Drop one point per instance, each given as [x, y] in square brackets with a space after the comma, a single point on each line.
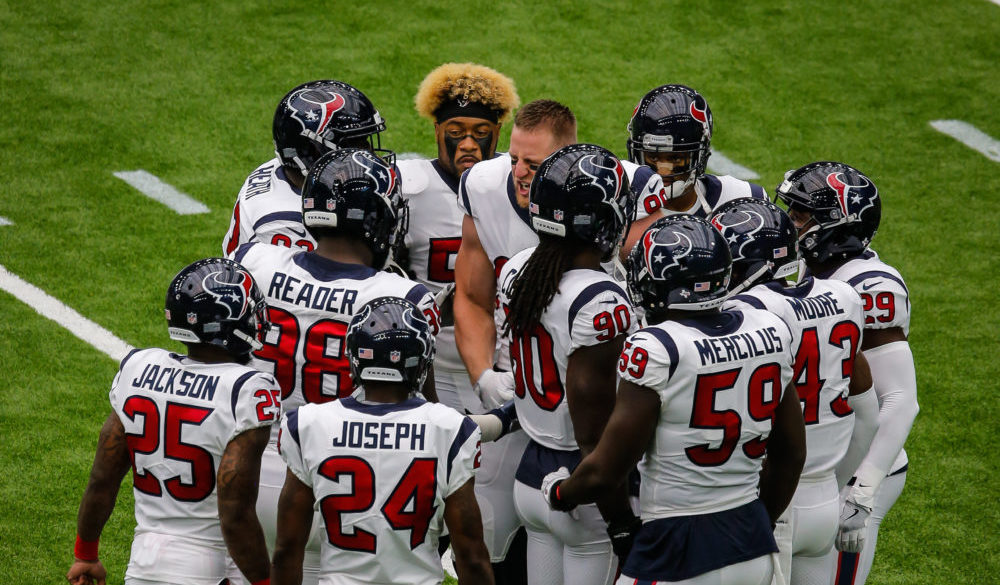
[738, 226]
[656, 252]
[234, 296]
[699, 114]
[314, 108]
[846, 199]
[606, 178]
[383, 175]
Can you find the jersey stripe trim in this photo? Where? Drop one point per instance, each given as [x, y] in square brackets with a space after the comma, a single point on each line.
[750, 300]
[588, 294]
[464, 432]
[757, 192]
[668, 344]
[858, 278]
[512, 197]
[292, 422]
[241, 252]
[236, 389]
[463, 193]
[446, 177]
[279, 216]
[121, 364]
[713, 190]
[417, 293]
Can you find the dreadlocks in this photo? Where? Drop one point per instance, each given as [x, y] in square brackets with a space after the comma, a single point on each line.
[536, 284]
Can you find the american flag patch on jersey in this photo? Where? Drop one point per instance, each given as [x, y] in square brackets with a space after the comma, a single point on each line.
[701, 286]
[781, 252]
[365, 353]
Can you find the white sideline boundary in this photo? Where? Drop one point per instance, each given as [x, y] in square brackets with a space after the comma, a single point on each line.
[5, 221]
[970, 136]
[151, 186]
[722, 165]
[51, 308]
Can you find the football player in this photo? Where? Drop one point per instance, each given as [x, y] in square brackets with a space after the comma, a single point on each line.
[671, 133]
[386, 472]
[704, 395]
[310, 120]
[192, 429]
[831, 376]
[837, 209]
[566, 320]
[351, 206]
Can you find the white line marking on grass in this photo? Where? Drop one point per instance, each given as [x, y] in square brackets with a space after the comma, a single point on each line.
[721, 164]
[970, 136]
[416, 155]
[997, 2]
[151, 186]
[5, 221]
[50, 307]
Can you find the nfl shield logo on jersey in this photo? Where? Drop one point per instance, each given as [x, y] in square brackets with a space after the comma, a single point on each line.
[558, 214]
[331, 204]
[394, 356]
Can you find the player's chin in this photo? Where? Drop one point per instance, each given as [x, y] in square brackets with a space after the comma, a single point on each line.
[465, 163]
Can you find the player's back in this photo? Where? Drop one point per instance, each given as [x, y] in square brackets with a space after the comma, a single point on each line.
[311, 300]
[381, 474]
[826, 320]
[179, 415]
[486, 193]
[268, 209]
[719, 379]
[589, 308]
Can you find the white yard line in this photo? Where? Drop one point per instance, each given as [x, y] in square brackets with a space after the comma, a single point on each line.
[997, 2]
[51, 308]
[720, 164]
[410, 156]
[970, 136]
[5, 221]
[151, 186]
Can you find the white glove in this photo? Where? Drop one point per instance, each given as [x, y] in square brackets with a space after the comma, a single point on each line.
[549, 484]
[494, 388]
[853, 519]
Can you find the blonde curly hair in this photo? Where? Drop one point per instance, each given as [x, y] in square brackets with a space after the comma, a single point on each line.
[466, 81]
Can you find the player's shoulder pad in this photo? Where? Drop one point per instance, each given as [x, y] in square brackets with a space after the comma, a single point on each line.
[413, 178]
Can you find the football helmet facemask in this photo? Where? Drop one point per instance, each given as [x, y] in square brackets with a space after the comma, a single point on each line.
[389, 340]
[320, 116]
[762, 240]
[581, 191]
[354, 192]
[216, 301]
[845, 208]
[680, 263]
[673, 125]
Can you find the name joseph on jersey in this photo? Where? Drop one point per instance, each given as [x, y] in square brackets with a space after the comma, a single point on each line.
[381, 435]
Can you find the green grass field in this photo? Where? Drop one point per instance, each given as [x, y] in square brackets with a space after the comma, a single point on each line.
[186, 91]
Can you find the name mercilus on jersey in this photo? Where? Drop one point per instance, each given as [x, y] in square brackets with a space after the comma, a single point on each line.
[381, 435]
[165, 380]
[322, 298]
[739, 346]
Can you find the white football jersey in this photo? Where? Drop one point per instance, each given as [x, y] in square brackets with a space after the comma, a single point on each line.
[647, 187]
[268, 209]
[179, 415]
[310, 302]
[714, 192]
[826, 321]
[380, 474]
[433, 240]
[719, 380]
[589, 308]
[883, 292]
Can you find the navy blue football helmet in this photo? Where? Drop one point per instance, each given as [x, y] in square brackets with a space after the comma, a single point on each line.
[762, 240]
[354, 192]
[845, 208]
[581, 191]
[216, 301]
[680, 263]
[389, 340]
[672, 119]
[320, 116]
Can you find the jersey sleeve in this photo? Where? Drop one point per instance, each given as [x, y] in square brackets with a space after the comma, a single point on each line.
[238, 232]
[256, 402]
[885, 300]
[463, 456]
[464, 202]
[649, 193]
[600, 313]
[649, 358]
[290, 446]
[424, 300]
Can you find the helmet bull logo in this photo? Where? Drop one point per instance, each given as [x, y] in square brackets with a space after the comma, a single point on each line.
[606, 178]
[747, 223]
[837, 183]
[234, 296]
[656, 252]
[383, 175]
[316, 107]
[700, 115]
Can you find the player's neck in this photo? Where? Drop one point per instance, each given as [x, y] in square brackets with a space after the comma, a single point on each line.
[386, 392]
[685, 202]
[588, 258]
[210, 354]
[344, 249]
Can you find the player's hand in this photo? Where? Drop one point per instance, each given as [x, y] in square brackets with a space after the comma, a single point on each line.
[494, 388]
[853, 519]
[87, 573]
[622, 536]
[550, 490]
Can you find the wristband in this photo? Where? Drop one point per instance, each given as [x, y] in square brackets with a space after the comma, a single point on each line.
[85, 550]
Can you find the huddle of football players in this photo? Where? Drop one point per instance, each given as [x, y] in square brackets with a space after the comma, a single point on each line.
[567, 367]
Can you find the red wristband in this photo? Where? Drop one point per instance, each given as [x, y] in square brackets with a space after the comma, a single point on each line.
[558, 495]
[85, 550]
[266, 581]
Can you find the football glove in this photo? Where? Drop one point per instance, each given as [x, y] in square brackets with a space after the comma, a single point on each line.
[550, 490]
[622, 536]
[494, 388]
[853, 519]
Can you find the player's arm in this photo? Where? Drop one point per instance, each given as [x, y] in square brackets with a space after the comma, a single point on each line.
[111, 463]
[295, 515]
[786, 454]
[238, 478]
[590, 393]
[461, 515]
[862, 400]
[626, 436]
[475, 294]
